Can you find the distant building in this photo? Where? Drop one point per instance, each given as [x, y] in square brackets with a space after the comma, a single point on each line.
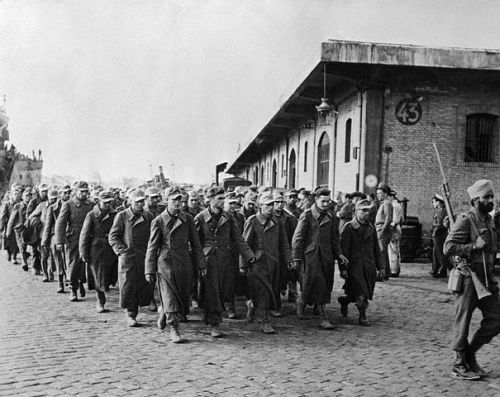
[389, 103]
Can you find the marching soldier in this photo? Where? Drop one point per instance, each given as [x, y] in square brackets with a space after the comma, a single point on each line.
[266, 237]
[129, 237]
[16, 223]
[359, 244]
[94, 247]
[249, 204]
[168, 259]
[48, 242]
[218, 234]
[474, 238]
[10, 243]
[439, 233]
[67, 235]
[315, 247]
[153, 202]
[193, 203]
[292, 198]
[383, 225]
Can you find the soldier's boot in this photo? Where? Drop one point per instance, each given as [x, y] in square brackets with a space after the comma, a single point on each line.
[324, 323]
[101, 301]
[175, 334]
[292, 292]
[301, 306]
[162, 321]
[25, 257]
[344, 304]
[73, 297]
[460, 369]
[362, 318]
[60, 289]
[470, 357]
[81, 289]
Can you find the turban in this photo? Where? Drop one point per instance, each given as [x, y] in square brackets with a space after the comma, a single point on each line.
[479, 188]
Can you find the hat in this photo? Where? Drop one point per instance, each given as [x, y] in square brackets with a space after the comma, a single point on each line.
[137, 195]
[53, 193]
[292, 192]
[213, 191]
[152, 192]
[65, 188]
[82, 185]
[251, 197]
[278, 196]
[106, 196]
[384, 187]
[479, 188]
[193, 194]
[267, 198]
[43, 187]
[363, 205]
[232, 197]
[438, 197]
[173, 192]
[264, 189]
[320, 191]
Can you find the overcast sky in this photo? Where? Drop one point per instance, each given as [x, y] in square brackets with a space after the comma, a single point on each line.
[113, 86]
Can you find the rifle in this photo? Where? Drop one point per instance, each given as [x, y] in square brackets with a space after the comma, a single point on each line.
[461, 263]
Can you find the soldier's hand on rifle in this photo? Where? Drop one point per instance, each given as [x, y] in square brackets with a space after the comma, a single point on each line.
[203, 273]
[150, 278]
[59, 247]
[344, 274]
[479, 244]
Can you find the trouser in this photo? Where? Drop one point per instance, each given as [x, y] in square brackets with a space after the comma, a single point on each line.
[394, 254]
[132, 313]
[361, 302]
[172, 318]
[48, 269]
[101, 297]
[213, 318]
[465, 304]
[383, 241]
[59, 260]
[22, 248]
[37, 257]
[439, 260]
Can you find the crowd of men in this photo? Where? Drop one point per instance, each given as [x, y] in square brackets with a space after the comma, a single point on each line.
[192, 249]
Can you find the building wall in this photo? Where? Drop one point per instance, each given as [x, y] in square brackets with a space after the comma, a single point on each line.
[413, 169]
[26, 172]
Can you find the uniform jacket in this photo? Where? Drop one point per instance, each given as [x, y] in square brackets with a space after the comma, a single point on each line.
[217, 240]
[50, 222]
[70, 221]
[359, 244]
[289, 223]
[438, 228]
[5, 212]
[316, 243]
[173, 248]
[129, 238]
[384, 217]
[17, 218]
[293, 211]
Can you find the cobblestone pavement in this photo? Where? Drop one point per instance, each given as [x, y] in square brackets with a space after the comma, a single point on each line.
[50, 346]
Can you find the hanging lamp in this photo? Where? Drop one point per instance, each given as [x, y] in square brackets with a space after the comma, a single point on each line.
[324, 108]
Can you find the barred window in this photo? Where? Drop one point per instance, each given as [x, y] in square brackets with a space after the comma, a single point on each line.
[480, 138]
[323, 160]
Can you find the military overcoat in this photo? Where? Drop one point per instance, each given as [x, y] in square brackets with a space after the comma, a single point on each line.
[129, 238]
[168, 256]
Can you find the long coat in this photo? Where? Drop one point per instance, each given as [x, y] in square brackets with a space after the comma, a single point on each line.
[218, 239]
[50, 222]
[169, 257]
[10, 243]
[129, 238]
[359, 244]
[316, 243]
[95, 248]
[68, 226]
[267, 240]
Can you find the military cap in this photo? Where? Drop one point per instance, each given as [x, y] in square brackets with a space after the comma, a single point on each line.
[53, 193]
[264, 189]
[277, 196]
[65, 188]
[292, 192]
[384, 187]
[82, 185]
[251, 197]
[137, 195]
[232, 197]
[152, 192]
[321, 191]
[43, 187]
[267, 198]
[438, 197]
[173, 192]
[363, 204]
[193, 194]
[213, 191]
[106, 196]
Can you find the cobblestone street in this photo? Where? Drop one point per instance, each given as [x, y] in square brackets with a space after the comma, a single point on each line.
[50, 346]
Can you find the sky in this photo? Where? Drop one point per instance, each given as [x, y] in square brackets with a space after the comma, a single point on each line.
[120, 87]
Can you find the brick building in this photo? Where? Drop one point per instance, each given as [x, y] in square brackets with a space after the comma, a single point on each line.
[389, 103]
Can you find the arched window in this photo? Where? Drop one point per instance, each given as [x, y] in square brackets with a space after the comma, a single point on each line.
[291, 170]
[480, 138]
[282, 165]
[305, 156]
[256, 175]
[347, 153]
[274, 174]
[323, 160]
[262, 175]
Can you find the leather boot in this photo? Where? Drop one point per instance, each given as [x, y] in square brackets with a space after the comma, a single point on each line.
[470, 357]
[73, 297]
[344, 304]
[60, 290]
[362, 318]
[175, 334]
[324, 323]
[460, 369]
[101, 300]
[82, 290]
[162, 321]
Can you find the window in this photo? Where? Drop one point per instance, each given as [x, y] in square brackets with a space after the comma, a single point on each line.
[323, 160]
[262, 175]
[256, 175]
[480, 138]
[305, 156]
[347, 153]
[267, 171]
[291, 170]
[282, 165]
[274, 174]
